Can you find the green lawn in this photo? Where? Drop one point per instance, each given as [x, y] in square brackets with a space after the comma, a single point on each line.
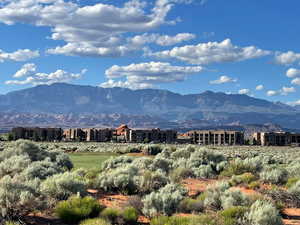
[89, 160]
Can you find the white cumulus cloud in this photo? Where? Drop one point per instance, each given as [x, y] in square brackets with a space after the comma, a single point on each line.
[93, 30]
[295, 103]
[286, 90]
[287, 58]
[147, 74]
[19, 55]
[223, 80]
[244, 91]
[28, 71]
[292, 72]
[296, 81]
[259, 87]
[272, 93]
[211, 52]
[125, 84]
[283, 91]
[163, 40]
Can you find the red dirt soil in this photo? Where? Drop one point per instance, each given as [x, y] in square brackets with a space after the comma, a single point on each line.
[293, 215]
[115, 201]
[245, 191]
[291, 222]
[118, 201]
[196, 186]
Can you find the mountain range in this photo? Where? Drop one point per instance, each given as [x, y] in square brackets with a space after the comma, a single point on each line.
[68, 105]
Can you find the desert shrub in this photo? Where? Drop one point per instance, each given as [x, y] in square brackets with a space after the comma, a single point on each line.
[204, 171]
[76, 209]
[239, 166]
[42, 169]
[35, 153]
[181, 153]
[294, 168]
[180, 173]
[111, 214]
[233, 215]
[89, 176]
[230, 199]
[274, 175]
[174, 220]
[263, 213]
[152, 149]
[117, 162]
[205, 157]
[133, 149]
[280, 196]
[14, 165]
[160, 163]
[295, 189]
[23, 166]
[124, 180]
[192, 220]
[203, 163]
[19, 197]
[62, 186]
[95, 221]
[12, 223]
[130, 215]
[25, 148]
[151, 181]
[62, 160]
[135, 202]
[292, 181]
[160, 220]
[189, 205]
[245, 178]
[143, 163]
[234, 212]
[254, 185]
[213, 195]
[164, 201]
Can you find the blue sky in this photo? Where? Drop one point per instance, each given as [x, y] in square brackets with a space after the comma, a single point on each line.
[186, 46]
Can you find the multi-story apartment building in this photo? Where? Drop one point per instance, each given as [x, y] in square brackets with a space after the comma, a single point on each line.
[88, 134]
[153, 135]
[98, 135]
[37, 133]
[216, 137]
[74, 134]
[276, 138]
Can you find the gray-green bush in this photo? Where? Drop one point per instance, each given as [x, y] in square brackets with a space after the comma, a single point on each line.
[263, 213]
[164, 201]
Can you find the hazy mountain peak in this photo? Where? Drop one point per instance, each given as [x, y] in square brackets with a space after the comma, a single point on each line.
[63, 98]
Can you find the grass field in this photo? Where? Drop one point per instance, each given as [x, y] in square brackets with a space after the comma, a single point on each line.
[90, 160]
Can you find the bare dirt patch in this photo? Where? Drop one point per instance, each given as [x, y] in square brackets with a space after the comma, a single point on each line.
[292, 216]
[245, 190]
[114, 200]
[291, 222]
[196, 186]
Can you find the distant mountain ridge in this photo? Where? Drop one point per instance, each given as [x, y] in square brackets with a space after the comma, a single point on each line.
[207, 108]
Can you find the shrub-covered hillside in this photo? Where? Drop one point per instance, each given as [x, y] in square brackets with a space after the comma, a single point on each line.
[254, 186]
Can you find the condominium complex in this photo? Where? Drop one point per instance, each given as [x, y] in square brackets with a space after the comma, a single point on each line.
[276, 138]
[216, 137]
[37, 134]
[125, 134]
[88, 134]
[153, 135]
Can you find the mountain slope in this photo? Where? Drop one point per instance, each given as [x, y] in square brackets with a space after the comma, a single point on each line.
[209, 108]
[67, 98]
